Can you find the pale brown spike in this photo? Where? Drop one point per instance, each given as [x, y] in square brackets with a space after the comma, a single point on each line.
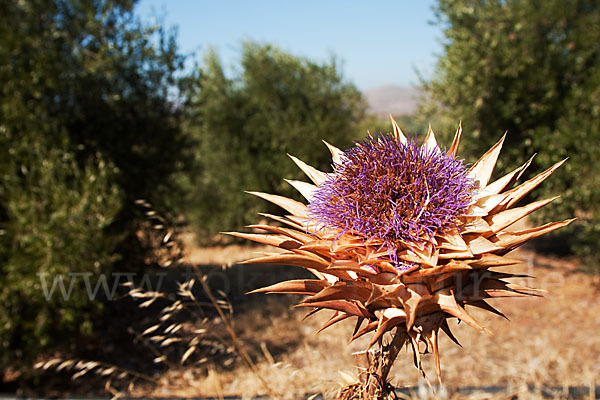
[485, 204]
[481, 172]
[520, 191]
[447, 303]
[498, 185]
[340, 291]
[318, 246]
[476, 226]
[340, 305]
[381, 291]
[485, 306]
[388, 267]
[443, 281]
[454, 148]
[311, 313]
[449, 333]
[337, 317]
[492, 260]
[507, 180]
[359, 321]
[505, 275]
[452, 241]
[336, 154]
[430, 142]
[322, 276]
[490, 294]
[411, 298]
[267, 254]
[349, 266]
[511, 240]
[414, 341]
[292, 206]
[489, 287]
[525, 166]
[508, 217]
[290, 259]
[409, 256]
[303, 223]
[400, 138]
[313, 174]
[455, 254]
[281, 241]
[527, 290]
[417, 276]
[432, 340]
[298, 286]
[371, 326]
[292, 233]
[306, 189]
[480, 245]
[387, 324]
[283, 220]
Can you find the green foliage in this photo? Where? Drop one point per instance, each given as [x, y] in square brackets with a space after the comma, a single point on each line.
[376, 124]
[55, 224]
[102, 80]
[276, 104]
[531, 68]
[87, 125]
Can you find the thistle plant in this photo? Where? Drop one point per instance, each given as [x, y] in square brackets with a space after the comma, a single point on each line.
[401, 237]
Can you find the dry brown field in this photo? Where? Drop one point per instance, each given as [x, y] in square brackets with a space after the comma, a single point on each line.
[549, 341]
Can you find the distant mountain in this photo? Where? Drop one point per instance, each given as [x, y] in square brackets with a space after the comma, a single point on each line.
[391, 99]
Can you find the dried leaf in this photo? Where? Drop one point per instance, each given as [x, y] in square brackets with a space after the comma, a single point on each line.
[483, 168]
[340, 305]
[305, 189]
[292, 206]
[337, 317]
[313, 174]
[337, 155]
[281, 241]
[454, 147]
[520, 191]
[398, 134]
[508, 217]
[511, 240]
[300, 286]
[430, 143]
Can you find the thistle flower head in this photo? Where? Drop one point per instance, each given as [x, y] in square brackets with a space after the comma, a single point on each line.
[396, 192]
[405, 237]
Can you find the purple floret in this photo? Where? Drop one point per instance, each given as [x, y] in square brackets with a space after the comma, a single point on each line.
[398, 193]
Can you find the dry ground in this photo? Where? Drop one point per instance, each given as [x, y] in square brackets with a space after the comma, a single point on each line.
[551, 341]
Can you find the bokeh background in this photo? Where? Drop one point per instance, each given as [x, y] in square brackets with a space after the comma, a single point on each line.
[130, 130]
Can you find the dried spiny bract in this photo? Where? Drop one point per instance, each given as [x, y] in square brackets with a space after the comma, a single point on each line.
[402, 236]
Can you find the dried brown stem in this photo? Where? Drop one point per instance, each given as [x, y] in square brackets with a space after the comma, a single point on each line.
[374, 369]
[242, 351]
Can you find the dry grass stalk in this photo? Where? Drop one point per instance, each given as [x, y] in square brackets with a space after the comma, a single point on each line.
[184, 331]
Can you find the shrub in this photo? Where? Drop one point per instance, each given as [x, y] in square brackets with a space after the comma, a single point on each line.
[57, 216]
[532, 69]
[277, 104]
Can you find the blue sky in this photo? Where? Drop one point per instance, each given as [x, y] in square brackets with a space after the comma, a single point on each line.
[377, 42]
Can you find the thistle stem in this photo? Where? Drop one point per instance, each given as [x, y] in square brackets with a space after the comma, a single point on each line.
[374, 369]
